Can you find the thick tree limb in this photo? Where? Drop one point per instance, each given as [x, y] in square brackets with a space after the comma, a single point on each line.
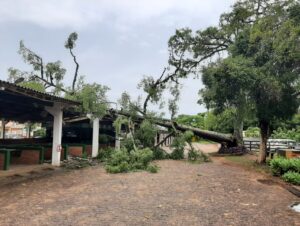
[161, 142]
[76, 70]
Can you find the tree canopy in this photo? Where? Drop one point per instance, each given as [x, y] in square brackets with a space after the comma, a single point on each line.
[255, 61]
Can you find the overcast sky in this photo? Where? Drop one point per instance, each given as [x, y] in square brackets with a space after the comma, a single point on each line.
[119, 40]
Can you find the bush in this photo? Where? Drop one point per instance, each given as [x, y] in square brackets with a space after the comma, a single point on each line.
[178, 145]
[118, 157]
[105, 154]
[122, 168]
[152, 168]
[283, 133]
[252, 132]
[127, 143]
[195, 156]
[158, 154]
[295, 165]
[292, 177]
[123, 161]
[280, 166]
[146, 134]
[177, 154]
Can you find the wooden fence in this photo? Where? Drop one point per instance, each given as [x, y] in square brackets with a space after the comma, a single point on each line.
[272, 145]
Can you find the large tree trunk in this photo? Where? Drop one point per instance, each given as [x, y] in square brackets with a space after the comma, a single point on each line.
[238, 130]
[209, 135]
[241, 109]
[264, 135]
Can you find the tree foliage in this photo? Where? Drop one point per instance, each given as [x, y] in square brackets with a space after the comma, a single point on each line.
[49, 77]
[260, 67]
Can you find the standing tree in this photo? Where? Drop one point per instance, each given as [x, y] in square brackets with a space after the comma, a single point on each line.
[190, 51]
[261, 41]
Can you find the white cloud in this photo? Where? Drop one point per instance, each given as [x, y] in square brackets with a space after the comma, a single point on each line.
[80, 14]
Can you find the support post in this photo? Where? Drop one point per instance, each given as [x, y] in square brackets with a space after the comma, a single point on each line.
[3, 128]
[57, 113]
[95, 145]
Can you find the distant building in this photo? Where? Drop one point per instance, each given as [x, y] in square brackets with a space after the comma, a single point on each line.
[15, 130]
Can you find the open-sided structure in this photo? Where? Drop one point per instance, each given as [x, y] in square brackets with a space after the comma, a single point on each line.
[22, 104]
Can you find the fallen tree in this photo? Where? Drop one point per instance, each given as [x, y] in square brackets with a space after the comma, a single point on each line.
[224, 139]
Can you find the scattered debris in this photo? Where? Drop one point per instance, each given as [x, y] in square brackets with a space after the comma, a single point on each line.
[78, 163]
[233, 150]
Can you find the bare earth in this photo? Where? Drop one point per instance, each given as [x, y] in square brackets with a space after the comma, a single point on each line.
[180, 194]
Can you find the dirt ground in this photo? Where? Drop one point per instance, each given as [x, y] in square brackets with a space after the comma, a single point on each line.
[181, 193]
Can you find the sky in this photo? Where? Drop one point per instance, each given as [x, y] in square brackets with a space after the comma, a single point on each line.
[120, 41]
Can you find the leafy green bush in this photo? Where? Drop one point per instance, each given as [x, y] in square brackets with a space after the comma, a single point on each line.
[178, 145]
[146, 134]
[280, 166]
[292, 177]
[283, 133]
[152, 168]
[141, 158]
[127, 143]
[296, 165]
[193, 155]
[252, 132]
[119, 161]
[196, 156]
[105, 154]
[158, 154]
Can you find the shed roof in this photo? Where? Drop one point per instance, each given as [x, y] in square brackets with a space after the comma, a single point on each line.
[13, 88]
[25, 104]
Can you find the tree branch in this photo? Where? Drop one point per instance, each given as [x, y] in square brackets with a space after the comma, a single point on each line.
[161, 142]
[76, 70]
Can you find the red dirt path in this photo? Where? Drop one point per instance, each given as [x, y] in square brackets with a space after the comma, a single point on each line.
[181, 193]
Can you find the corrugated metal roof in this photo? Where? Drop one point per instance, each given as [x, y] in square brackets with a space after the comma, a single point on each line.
[35, 94]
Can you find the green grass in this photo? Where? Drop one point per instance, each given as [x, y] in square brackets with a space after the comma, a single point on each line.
[247, 163]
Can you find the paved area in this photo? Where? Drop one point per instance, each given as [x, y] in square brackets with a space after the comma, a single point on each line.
[180, 194]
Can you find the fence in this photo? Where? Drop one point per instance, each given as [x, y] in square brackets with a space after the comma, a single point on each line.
[272, 145]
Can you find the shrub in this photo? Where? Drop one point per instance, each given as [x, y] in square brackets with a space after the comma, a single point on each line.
[123, 161]
[146, 134]
[105, 154]
[152, 168]
[252, 132]
[158, 153]
[196, 156]
[295, 164]
[292, 177]
[127, 143]
[193, 155]
[177, 154]
[178, 145]
[143, 157]
[281, 165]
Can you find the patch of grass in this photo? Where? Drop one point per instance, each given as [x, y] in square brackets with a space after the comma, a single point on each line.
[247, 163]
